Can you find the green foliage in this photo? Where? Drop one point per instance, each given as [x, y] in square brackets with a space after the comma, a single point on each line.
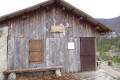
[118, 78]
[105, 44]
[106, 57]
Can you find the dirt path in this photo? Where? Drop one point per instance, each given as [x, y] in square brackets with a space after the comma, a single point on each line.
[93, 75]
[109, 70]
[104, 72]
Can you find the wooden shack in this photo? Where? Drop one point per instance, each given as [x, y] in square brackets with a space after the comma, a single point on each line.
[52, 33]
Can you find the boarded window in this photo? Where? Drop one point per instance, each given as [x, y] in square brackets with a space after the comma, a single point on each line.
[36, 49]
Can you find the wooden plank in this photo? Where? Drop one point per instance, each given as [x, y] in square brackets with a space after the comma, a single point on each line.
[33, 70]
[24, 53]
[86, 30]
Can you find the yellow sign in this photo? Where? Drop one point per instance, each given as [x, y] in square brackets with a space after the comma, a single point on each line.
[57, 29]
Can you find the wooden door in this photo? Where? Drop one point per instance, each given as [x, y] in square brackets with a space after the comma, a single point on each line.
[87, 53]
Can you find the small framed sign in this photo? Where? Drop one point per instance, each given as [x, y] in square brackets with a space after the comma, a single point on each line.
[58, 29]
[70, 45]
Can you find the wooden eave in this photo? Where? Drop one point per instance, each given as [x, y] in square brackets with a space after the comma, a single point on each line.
[63, 3]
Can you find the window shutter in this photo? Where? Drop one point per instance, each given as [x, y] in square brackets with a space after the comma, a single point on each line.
[36, 49]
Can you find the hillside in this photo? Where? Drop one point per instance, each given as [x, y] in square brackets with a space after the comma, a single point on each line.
[109, 48]
[113, 23]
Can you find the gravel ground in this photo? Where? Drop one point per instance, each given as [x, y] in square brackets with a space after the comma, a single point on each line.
[110, 71]
[104, 72]
[93, 75]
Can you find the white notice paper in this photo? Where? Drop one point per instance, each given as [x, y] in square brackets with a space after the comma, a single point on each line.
[70, 45]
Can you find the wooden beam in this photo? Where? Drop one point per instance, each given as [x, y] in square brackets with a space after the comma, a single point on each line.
[81, 18]
[97, 27]
[48, 7]
[33, 69]
[63, 8]
[86, 29]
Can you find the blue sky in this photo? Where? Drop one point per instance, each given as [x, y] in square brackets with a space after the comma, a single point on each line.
[95, 8]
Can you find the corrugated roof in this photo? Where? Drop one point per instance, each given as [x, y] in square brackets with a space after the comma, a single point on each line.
[62, 3]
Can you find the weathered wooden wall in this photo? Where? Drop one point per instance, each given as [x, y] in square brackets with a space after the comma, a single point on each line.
[37, 26]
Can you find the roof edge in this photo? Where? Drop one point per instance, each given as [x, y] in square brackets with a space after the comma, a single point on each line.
[61, 2]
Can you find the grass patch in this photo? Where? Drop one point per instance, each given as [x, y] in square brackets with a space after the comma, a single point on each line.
[105, 57]
[118, 78]
[105, 44]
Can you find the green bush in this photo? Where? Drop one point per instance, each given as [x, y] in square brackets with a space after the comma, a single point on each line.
[106, 57]
[105, 44]
[118, 78]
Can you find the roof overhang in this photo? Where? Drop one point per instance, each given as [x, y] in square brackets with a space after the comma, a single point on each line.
[63, 3]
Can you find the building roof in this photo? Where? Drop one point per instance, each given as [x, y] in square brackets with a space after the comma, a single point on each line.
[99, 25]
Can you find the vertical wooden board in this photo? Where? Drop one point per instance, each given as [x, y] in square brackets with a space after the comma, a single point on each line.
[10, 53]
[50, 52]
[61, 48]
[53, 43]
[66, 56]
[44, 64]
[47, 52]
[30, 25]
[27, 26]
[88, 30]
[16, 25]
[49, 20]
[83, 30]
[17, 55]
[20, 27]
[74, 27]
[77, 58]
[70, 25]
[78, 55]
[40, 24]
[25, 53]
[66, 21]
[75, 55]
[63, 17]
[78, 25]
[57, 51]
[81, 27]
[36, 24]
[57, 15]
[11, 29]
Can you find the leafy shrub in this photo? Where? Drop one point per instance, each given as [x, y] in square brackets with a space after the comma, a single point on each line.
[118, 78]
